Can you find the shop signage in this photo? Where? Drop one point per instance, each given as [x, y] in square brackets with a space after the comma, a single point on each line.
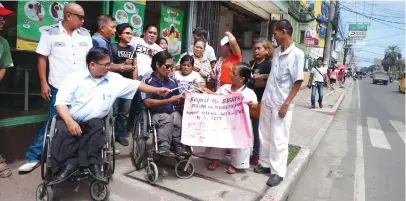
[321, 10]
[311, 39]
[34, 17]
[357, 31]
[171, 27]
[131, 12]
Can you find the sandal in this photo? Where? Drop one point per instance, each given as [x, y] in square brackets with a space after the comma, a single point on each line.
[5, 171]
[213, 165]
[231, 170]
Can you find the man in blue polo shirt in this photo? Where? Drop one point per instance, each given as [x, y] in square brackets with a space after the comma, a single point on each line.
[162, 109]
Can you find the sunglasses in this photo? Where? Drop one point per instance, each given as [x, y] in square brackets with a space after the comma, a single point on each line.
[80, 17]
[107, 65]
[168, 66]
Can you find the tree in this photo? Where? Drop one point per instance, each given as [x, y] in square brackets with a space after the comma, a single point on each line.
[391, 58]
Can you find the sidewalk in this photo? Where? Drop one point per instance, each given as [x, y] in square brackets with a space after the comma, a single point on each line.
[308, 128]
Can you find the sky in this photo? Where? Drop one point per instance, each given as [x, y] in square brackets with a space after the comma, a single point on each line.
[379, 36]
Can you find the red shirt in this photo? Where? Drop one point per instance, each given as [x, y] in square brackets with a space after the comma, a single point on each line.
[227, 66]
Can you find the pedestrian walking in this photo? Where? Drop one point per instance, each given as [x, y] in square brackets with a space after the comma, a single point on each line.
[65, 47]
[260, 69]
[318, 77]
[277, 104]
[333, 76]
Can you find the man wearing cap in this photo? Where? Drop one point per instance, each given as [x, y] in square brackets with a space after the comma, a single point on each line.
[5, 62]
[65, 45]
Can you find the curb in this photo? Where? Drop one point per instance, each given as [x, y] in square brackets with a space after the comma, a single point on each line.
[336, 105]
[295, 170]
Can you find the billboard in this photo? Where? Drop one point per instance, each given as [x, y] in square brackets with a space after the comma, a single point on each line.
[357, 31]
[321, 10]
[311, 39]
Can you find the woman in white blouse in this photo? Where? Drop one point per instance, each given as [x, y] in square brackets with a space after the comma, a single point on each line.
[240, 76]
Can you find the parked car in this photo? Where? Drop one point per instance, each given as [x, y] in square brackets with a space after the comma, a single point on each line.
[380, 77]
[402, 84]
[358, 75]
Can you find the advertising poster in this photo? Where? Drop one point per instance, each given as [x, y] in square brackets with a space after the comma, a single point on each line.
[171, 29]
[311, 39]
[321, 10]
[34, 17]
[131, 12]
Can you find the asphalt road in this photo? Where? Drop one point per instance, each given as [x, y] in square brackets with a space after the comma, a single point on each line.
[362, 156]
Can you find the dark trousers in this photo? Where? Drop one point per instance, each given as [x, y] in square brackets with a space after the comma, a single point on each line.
[77, 150]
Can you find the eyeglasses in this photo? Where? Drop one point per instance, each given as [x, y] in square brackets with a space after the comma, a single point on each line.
[107, 65]
[80, 17]
[168, 66]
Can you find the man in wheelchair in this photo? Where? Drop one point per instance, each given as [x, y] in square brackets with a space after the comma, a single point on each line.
[83, 100]
[168, 121]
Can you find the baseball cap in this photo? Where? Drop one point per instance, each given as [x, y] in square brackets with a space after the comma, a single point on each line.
[5, 12]
[224, 41]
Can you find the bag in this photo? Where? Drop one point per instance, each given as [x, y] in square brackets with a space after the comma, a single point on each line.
[255, 110]
[324, 78]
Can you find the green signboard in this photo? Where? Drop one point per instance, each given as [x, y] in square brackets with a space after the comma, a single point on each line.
[131, 12]
[358, 27]
[171, 28]
[34, 17]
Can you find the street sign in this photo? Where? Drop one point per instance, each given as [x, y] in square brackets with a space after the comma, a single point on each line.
[357, 31]
[355, 42]
[357, 35]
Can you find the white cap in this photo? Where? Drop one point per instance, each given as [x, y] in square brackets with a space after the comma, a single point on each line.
[224, 41]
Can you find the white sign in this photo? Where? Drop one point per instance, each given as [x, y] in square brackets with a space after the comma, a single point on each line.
[357, 35]
[355, 42]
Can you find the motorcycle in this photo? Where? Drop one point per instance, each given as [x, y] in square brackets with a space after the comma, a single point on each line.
[391, 80]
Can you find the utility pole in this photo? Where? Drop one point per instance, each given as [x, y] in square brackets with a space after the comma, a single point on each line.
[327, 44]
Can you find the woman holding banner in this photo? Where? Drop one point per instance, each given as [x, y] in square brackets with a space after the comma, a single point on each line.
[240, 76]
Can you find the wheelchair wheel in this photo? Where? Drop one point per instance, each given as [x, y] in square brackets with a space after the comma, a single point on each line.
[152, 173]
[180, 169]
[99, 191]
[139, 141]
[49, 128]
[44, 193]
[110, 147]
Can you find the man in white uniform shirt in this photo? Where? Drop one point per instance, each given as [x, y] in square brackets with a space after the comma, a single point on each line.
[84, 98]
[277, 103]
[317, 78]
[65, 46]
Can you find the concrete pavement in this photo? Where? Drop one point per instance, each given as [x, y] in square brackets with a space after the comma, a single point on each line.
[308, 128]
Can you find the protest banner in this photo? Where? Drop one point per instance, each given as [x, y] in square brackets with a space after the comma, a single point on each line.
[216, 121]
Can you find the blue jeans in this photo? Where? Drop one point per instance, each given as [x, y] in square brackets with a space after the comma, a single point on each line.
[121, 110]
[319, 86]
[255, 125]
[35, 149]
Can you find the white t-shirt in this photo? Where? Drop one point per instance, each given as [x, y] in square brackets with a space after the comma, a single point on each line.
[287, 68]
[208, 52]
[318, 76]
[185, 81]
[145, 52]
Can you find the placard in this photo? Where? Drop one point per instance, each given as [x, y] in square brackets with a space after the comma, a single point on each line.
[34, 17]
[216, 121]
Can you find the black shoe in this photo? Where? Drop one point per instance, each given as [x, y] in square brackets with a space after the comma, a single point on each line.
[164, 151]
[320, 104]
[95, 171]
[274, 180]
[65, 172]
[312, 107]
[262, 170]
[122, 141]
[180, 150]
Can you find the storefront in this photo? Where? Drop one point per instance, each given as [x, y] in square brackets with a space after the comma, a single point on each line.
[22, 109]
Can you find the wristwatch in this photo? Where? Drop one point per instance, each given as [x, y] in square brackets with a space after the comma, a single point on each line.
[122, 69]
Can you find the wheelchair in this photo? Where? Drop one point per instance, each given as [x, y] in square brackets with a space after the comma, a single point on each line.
[143, 129]
[99, 191]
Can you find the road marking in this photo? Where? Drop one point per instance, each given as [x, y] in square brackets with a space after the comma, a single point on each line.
[359, 184]
[359, 97]
[377, 136]
[400, 128]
